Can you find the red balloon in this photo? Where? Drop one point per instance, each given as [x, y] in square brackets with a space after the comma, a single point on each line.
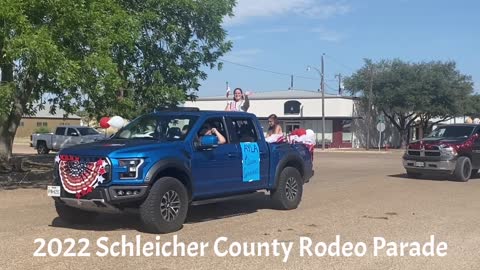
[104, 122]
[299, 132]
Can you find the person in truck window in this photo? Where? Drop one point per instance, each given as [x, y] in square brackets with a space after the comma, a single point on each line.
[274, 127]
[185, 130]
[208, 129]
[240, 101]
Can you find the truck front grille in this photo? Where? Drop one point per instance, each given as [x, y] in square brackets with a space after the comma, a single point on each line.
[425, 153]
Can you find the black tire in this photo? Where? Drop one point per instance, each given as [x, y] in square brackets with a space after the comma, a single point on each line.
[411, 174]
[463, 169]
[73, 215]
[166, 206]
[289, 191]
[42, 148]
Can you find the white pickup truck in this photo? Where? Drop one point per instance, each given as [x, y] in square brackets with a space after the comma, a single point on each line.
[64, 136]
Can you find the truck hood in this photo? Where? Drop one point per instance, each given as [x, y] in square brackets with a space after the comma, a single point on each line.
[460, 144]
[114, 148]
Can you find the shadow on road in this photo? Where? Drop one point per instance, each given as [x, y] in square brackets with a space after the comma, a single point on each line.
[433, 177]
[31, 171]
[197, 214]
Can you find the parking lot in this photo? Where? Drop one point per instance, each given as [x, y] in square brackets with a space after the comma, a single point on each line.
[357, 196]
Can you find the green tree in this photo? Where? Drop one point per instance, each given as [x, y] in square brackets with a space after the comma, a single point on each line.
[103, 56]
[445, 93]
[405, 92]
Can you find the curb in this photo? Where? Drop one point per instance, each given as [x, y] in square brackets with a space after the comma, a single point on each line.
[357, 151]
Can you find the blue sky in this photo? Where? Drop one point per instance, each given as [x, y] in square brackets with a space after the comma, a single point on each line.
[286, 36]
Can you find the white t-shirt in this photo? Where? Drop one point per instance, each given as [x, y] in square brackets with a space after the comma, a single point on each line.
[235, 105]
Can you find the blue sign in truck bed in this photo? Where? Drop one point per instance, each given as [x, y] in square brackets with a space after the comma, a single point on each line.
[163, 162]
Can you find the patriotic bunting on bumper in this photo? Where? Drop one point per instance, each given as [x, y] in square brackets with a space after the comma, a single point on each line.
[80, 177]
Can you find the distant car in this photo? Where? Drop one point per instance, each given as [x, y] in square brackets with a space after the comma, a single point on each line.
[64, 136]
[450, 150]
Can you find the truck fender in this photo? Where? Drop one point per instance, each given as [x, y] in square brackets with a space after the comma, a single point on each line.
[172, 167]
[287, 160]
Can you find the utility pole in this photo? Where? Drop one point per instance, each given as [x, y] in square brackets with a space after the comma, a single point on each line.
[339, 76]
[370, 93]
[291, 82]
[323, 103]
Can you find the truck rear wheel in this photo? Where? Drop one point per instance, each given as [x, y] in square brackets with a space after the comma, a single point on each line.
[166, 206]
[73, 215]
[463, 169]
[288, 193]
[42, 148]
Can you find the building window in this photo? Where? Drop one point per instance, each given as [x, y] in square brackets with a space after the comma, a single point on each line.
[291, 126]
[39, 124]
[22, 124]
[45, 124]
[346, 130]
[291, 107]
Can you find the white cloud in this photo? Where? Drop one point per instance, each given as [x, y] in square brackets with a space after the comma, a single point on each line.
[328, 35]
[249, 9]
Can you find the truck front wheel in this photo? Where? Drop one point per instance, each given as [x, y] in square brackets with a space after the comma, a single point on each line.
[288, 193]
[166, 206]
[463, 169]
[73, 215]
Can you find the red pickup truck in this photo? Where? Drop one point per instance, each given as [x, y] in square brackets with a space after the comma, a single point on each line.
[450, 150]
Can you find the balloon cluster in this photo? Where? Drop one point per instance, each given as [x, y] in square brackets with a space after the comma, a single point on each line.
[469, 120]
[115, 122]
[306, 136]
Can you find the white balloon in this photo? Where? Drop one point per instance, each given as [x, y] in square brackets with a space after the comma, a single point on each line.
[116, 122]
[310, 135]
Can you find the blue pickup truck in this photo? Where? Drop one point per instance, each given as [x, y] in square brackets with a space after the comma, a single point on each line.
[163, 162]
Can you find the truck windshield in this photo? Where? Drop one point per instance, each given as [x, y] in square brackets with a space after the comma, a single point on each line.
[87, 131]
[452, 132]
[158, 127]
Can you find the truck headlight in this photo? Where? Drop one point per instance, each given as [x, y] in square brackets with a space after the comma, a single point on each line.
[132, 167]
[449, 150]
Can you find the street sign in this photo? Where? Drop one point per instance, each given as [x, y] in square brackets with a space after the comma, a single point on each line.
[381, 118]
[381, 127]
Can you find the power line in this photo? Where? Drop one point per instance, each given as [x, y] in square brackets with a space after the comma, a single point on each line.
[259, 69]
[271, 71]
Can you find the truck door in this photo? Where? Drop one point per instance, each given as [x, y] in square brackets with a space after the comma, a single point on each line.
[253, 151]
[215, 170]
[58, 138]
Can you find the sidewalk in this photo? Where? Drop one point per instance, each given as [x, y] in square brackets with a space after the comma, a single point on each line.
[359, 150]
[21, 141]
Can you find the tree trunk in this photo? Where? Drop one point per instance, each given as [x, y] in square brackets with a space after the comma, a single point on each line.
[8, 128]
[403, 138]
[10, 121]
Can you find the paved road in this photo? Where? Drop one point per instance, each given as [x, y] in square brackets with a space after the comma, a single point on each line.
[356, 196]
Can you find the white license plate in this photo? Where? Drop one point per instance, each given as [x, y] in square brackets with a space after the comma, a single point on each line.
[53, 191]
[419, 164]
